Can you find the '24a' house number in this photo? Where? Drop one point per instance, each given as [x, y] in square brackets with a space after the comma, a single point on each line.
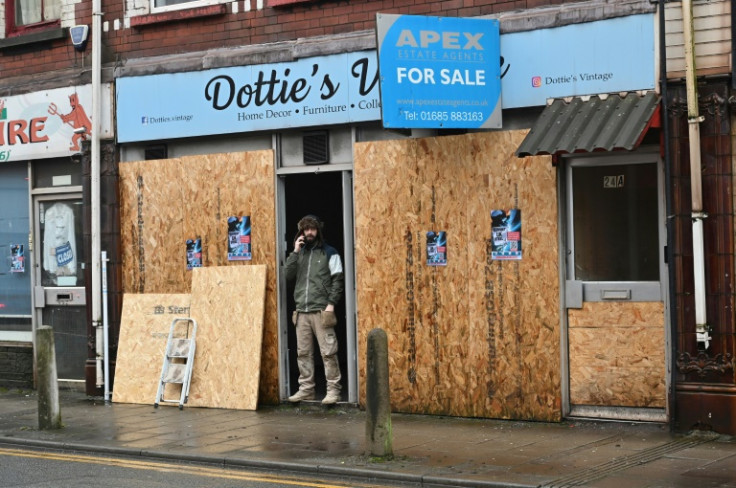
[613, 181]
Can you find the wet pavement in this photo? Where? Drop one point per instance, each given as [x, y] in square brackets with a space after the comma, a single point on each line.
[428, 450]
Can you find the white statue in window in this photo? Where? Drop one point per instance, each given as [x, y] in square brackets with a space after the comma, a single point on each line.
[59, 245]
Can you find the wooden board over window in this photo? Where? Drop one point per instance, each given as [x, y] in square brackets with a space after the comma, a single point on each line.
[477, 337]
[166, 202]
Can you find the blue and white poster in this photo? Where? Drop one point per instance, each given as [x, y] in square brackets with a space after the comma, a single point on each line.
[506, 234]
[194, 253]
[437, 248]
[238, 239]
[439, 72]
[17, 259]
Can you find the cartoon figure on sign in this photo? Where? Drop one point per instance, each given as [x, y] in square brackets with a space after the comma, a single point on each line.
[59, 244]
[77, 118]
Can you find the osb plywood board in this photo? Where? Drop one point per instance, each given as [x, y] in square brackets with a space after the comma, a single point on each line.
[144, 328]
[228, 303]
[464, 339]
[617, 354]
[152, 218]
[166, 202]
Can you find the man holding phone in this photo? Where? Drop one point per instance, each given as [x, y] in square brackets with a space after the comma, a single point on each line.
[320, 282]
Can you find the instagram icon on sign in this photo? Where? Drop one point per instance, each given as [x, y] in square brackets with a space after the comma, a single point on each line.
[536, 81]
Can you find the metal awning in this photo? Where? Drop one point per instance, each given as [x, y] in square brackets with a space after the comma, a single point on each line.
[587, 124]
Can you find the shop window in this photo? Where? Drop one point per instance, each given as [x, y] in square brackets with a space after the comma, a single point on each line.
[15, 269]
[28, 16]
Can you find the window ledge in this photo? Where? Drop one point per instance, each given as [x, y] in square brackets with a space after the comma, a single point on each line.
[34, 37]
[175, 15]
[284, 3]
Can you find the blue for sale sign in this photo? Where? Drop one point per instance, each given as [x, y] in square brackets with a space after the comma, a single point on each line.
[439, 72]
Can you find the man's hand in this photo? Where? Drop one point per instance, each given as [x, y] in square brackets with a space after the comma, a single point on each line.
[299, 243]
[330, 308]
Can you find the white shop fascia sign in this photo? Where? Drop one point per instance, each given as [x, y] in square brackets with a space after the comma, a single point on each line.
[51, 123]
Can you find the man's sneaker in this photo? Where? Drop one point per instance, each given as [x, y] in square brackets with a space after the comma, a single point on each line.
[301, 395]
[331, 398]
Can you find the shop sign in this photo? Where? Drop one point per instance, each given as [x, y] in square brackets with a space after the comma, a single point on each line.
[439, 72]
[607, 56]
[324, 90]
[49, 124]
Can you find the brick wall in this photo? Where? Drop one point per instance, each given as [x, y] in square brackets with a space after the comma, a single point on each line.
[16, 366]
[240, 23]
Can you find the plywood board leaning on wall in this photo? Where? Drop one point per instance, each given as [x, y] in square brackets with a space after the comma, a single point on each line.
[617, 354]
[166, 202]
[476, 337]
[144, 328]
[228, 303]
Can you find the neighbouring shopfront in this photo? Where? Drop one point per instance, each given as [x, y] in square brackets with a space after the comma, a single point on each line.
[43, 280]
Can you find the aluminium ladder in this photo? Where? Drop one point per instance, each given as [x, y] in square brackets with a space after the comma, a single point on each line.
[178, 360]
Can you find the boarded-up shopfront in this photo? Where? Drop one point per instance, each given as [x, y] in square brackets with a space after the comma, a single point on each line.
[475, 333]
[477, 337]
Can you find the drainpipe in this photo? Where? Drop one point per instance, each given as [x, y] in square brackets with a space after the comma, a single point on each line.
[105, 328]
[670, 256]
[694, 119]
[95, 186]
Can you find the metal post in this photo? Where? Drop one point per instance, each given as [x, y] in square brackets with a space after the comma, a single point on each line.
[105, 328]
[95, 180]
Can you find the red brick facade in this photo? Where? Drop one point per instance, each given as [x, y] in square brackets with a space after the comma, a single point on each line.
[192, 30]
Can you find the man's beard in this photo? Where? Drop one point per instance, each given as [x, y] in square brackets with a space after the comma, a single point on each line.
[309, 240]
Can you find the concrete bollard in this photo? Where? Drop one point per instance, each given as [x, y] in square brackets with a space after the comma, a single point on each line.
[49, 414]
[378, 433]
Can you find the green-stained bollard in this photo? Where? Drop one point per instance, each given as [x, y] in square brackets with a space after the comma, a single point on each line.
[49, 414]
[378, 433]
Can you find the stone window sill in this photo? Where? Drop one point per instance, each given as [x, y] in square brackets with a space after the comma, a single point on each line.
[284, 3]
[34, 38]
[176, 15]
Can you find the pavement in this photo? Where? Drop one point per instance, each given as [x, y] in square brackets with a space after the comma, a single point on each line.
[434, 451]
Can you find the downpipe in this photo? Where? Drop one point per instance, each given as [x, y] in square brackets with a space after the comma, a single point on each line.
[694, 119]
[95, 187]
[105, 329]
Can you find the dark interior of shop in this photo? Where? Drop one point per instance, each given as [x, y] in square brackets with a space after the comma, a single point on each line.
[319, 194]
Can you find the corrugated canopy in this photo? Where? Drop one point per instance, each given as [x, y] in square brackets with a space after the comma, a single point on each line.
[587, 124]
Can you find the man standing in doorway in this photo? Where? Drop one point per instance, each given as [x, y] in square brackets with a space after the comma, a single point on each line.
[317, 269]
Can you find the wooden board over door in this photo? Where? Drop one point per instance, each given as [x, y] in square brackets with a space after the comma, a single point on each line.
[617, 354]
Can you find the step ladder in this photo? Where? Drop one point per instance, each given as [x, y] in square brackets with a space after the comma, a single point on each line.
[178, 360]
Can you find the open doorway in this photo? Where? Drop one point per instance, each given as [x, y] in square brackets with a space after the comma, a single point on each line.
[320, 194]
